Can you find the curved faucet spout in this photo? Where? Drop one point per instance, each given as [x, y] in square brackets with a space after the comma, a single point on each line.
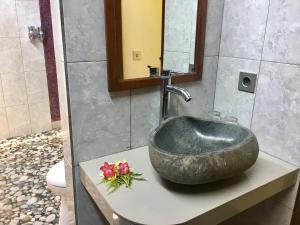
[167, 88]
[179, 91]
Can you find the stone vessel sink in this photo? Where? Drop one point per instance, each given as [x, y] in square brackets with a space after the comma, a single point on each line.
[189, 150]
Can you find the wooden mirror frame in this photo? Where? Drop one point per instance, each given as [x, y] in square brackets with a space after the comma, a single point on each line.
[113, 24]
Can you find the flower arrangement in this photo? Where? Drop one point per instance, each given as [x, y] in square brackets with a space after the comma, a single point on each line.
[118, 174]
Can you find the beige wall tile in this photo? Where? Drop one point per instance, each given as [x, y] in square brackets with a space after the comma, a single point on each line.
[4, 131]
[28, 15]
[17, 89]
[18, 120]
[14, 89]
[63, 104]
[40, 117]
[37, 88]
[10, 55]
[9, 25]
[33, 55]
[57, 33]
[62, 91]
[2, 103]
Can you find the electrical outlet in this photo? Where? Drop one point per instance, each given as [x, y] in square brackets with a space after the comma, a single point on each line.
[247, 82]
[137, 55]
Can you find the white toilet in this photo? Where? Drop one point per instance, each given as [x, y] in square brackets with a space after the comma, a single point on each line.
[56, 181]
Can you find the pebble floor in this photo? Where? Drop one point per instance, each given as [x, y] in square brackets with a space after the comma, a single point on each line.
[24, 163]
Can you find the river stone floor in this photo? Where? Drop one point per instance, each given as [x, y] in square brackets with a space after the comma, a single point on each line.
[24, 163]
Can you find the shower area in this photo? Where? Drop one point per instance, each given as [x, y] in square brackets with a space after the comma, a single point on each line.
[30, 137]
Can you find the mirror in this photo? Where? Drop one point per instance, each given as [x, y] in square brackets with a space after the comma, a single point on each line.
[145, 38]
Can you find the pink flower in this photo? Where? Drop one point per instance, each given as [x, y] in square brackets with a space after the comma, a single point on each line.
[108, 170]
[124, 168]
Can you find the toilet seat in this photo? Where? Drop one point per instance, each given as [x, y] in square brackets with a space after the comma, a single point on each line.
[56, 175]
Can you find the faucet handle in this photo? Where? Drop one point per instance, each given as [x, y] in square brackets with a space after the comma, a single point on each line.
[166, 74]
[166, 78]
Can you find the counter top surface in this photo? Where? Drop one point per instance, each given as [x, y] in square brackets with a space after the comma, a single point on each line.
[158, 202]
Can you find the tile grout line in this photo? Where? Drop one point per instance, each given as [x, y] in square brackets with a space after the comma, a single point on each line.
[217, 69]
[284, 63]
[21, 50]
[1, 84]
[268, 61]
[260, 65]
[67, 89]
[5, 105]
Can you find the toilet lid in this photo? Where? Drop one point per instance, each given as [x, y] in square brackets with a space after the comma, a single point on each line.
[56, 175]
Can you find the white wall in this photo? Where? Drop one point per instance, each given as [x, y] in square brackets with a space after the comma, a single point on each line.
[24, 102]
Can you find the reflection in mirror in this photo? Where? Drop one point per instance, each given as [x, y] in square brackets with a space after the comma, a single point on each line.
[141, 37]
[180, 35]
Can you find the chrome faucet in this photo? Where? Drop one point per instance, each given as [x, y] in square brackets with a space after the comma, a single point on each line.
[166, 89]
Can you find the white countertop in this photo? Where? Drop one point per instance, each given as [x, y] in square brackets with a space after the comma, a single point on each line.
[157, 202]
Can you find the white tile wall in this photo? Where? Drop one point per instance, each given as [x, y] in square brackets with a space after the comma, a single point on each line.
[33, 55]
[10, 55]
[14, 89]
[57, 32]
[40, 117]
[18, 120]
[1, 94]
[4, 132]
[24, 101]
[9, 25]
[37, 87]
[28, 15]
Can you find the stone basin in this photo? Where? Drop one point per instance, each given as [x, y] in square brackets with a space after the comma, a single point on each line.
[188, 150]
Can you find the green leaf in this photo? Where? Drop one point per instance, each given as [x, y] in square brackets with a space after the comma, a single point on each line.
[125, 179]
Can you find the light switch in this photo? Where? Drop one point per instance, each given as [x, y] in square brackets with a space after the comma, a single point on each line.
[137, 55]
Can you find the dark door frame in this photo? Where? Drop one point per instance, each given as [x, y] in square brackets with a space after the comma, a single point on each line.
[46, 23]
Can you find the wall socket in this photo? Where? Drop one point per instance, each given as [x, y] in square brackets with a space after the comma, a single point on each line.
[247, 82]
[136, 55]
